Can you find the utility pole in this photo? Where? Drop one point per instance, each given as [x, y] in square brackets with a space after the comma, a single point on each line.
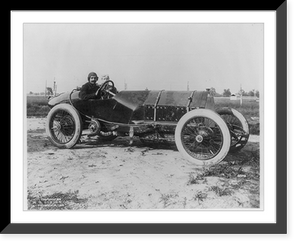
[46, 88]
[188, 86]
[54, 87]
[241, 95]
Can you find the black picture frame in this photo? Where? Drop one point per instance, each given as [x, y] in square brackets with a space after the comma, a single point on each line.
[280, 227]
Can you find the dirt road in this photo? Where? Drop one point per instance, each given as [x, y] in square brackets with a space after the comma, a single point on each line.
[116, 175]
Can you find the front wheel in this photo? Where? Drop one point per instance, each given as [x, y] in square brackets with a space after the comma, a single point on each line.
[202, 137]
[63, 126]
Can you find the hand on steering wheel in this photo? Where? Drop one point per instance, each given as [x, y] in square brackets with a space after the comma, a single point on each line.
[97, 92]
[106, 87]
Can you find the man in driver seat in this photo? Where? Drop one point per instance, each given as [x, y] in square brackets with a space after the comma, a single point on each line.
[90, 89]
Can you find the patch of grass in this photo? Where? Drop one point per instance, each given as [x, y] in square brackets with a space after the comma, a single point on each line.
[219, 170]
[254, 201]
[239, 184]
[254, 129]
[255, 168]
[200, 196]
[37, 99]
[36, 110]
[56, 201]
[168, 199]
[37, 106]
[221, 191]
[222, 170]
[243, 167]
[239, 174]
[195, 178]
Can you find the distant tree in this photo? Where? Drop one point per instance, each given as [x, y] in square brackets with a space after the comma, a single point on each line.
[243, 92]
[226, 93]
[218, 94]
[49, 91]
[257, 93]
[212, 92]
[251, 93]
[30, 92]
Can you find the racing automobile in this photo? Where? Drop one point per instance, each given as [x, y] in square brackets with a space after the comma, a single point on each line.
[202, 134]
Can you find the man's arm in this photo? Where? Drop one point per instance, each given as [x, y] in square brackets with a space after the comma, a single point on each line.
[84, 95]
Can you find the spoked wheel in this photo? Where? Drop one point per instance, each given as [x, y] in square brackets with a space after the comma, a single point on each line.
[202, 137]
[238, 128]
[63, 126]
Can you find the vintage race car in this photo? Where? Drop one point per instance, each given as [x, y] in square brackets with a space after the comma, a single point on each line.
[203, 135]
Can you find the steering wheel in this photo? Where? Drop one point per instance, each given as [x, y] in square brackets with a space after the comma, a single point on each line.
[107, 89]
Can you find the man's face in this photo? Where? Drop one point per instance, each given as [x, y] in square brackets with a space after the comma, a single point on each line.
[93, 79]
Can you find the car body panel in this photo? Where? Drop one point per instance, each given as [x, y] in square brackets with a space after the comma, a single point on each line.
[174, 98]
[127, 107]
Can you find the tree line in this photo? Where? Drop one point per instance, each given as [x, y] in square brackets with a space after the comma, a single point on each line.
[227, 93]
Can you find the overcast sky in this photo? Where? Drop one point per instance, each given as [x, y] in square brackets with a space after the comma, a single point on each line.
[153, 56]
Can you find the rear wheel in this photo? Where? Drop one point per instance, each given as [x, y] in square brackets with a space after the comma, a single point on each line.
[202, 137]
[64, 126]
[238, 128]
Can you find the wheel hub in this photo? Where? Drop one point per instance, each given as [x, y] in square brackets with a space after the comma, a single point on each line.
[199, 138]
[94, 127]
[203, 133]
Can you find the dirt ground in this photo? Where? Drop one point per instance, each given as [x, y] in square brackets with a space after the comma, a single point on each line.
[116, 175]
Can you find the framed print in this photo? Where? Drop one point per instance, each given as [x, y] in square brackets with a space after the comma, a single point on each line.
[150, 122]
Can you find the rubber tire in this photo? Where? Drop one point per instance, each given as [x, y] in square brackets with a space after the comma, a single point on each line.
[242, 119]
[78, 125]
[238, 146]
[224, 130]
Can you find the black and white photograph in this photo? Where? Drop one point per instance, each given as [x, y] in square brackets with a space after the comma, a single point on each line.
[143, 116]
